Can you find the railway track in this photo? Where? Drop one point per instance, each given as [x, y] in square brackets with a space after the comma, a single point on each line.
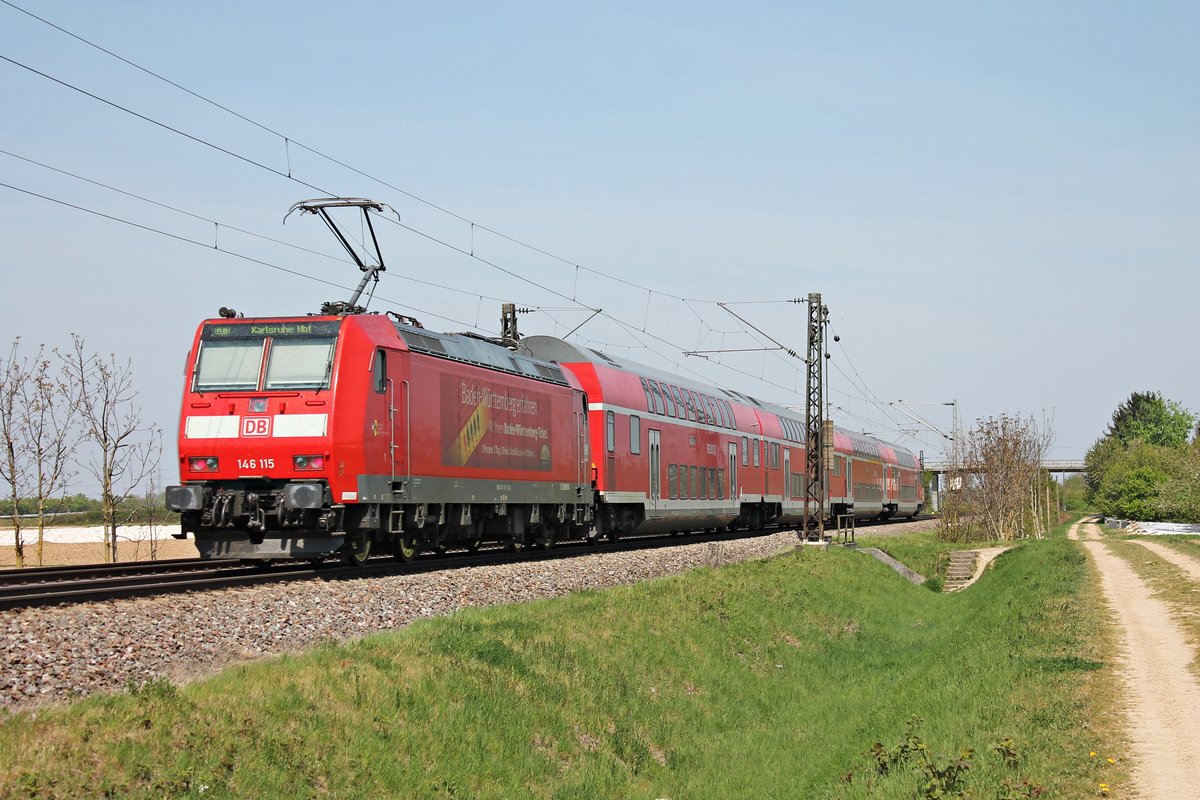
[40, 586]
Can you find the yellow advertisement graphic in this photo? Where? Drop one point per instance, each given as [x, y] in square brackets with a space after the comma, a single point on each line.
[495, 424]
[471, 435]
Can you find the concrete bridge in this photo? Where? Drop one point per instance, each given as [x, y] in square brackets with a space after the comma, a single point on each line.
[1050, 465]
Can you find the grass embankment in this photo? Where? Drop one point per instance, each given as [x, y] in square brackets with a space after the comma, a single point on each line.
[767, 679]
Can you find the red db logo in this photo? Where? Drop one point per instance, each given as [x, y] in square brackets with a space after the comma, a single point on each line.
[256, 426]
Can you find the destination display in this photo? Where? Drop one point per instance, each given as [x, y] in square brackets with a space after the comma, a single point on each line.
[276, 330]
[492, 426]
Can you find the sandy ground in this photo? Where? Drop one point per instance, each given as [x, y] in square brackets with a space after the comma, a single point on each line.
[60, 553]
[1163, 698]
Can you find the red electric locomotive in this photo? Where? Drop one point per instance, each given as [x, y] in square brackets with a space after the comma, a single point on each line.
[304, 436]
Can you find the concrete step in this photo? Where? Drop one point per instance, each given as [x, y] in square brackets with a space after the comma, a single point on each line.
[961, 568]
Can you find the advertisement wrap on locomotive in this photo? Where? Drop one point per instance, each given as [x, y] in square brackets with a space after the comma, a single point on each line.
[351, 432]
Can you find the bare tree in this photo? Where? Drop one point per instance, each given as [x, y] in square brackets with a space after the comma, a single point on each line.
[1002, 464]
[49, 435]
[126, 449]
[14, 467]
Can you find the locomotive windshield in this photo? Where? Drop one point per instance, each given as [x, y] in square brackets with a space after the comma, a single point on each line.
[298, 356]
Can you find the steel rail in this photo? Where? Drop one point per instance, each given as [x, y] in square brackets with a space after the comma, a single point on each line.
[100, 582]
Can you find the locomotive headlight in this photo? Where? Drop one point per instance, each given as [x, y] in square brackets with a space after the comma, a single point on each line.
[308, 463]
[203, 464]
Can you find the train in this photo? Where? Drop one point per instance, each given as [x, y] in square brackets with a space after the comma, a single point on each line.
[347, 434]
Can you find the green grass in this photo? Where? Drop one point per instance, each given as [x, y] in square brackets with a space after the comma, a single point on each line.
[921, 552]
[768, 679]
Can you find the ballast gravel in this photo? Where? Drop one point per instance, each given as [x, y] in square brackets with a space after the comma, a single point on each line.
[61, 653]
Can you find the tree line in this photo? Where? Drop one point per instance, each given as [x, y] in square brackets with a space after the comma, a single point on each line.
[67, 413]
[1146, 466]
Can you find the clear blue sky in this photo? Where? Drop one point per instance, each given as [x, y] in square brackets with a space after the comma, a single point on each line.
[998, 201]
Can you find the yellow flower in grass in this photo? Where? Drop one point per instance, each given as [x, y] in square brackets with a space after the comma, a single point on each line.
[1104, 788]
[1092, 754]
[1111, 760]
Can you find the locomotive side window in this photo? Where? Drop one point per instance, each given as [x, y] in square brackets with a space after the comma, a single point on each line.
[379, 372]
[299, 364]
[610, 431]
[635, 434]
[229, 366]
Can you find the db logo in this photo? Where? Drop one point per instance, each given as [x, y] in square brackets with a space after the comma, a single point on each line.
[256, 426]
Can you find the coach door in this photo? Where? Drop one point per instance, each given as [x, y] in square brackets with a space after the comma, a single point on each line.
[733, 484]
[655, 469]
[787, 473]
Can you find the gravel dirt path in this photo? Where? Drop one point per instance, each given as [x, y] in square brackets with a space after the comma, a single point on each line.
[1186, 563]
[1162, 697]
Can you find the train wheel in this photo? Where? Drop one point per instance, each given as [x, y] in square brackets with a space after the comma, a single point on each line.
[546, 538]
[358, 550]
[473, 546]
[406, 548]
[516, 544]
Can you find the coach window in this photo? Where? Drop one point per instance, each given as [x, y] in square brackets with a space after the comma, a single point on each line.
[756, 452]
[635, 434]
[691, 405]
[672, 482]
[729, 414]
[649, 397]
[666, 390]
[720, 413]
[679, 404]
[745, 452]
[610, 431]
[379, 371]
[720, 483]
[712, 483]
[659, 406]
[693, 489]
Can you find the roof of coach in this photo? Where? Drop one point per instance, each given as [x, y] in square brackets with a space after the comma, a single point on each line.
[479, 352]
[551, 348]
